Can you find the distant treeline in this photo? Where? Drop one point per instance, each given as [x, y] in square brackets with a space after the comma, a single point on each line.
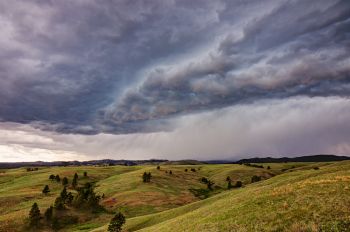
[104, 162]
[311, 158]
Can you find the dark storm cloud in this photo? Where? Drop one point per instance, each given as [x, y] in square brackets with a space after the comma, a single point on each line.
[121, 67]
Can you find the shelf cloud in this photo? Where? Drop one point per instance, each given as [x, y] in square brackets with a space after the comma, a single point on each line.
[123, 72]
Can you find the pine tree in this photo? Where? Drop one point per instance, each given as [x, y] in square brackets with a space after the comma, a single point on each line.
[59, 204]
[46, 189]
[116, 223]
[48, 213]
[64, 181]
[75, 181]
[229, 185]
[64, 194]
[34, 215]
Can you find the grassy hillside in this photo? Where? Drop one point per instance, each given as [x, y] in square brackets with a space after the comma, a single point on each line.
[301, 200]
[291, 196]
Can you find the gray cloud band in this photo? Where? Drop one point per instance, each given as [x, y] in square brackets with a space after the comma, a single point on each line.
[69, 72]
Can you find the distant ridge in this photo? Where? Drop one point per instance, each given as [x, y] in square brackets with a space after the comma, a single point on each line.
[310, 158]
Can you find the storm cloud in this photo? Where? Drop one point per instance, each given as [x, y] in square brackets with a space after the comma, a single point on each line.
[120, 70]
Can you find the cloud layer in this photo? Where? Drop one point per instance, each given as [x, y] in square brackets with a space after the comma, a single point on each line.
[143, 69]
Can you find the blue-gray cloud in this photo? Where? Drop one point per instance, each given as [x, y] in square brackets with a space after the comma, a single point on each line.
[121, 67]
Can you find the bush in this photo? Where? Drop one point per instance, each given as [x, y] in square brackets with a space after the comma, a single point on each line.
[193, 170]
[34, 215]
[170, 172]
[204, 180]
[228, 178]
[57, 178]
[46, 190]
[238, 184]
[146, 177]
[116, 223]
[268, 167]
[85, 174]
[52, 177]
[158, 167]
[186, 170]
[256, 178]
[316, 168]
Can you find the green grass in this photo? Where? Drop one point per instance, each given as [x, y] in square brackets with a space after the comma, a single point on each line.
[298, 198]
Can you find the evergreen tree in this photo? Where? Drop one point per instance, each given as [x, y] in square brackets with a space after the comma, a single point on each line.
[46, 190]
[144, 177]
[48, 213]
[70, 198]
[75, 181]
[34, 215]
[64, 194]
[64, 181]
[229, 185]
[116, 223]
[57, 178]
[59, 203]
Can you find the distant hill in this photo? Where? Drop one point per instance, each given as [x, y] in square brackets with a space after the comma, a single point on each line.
[310, 158]
[104, 162]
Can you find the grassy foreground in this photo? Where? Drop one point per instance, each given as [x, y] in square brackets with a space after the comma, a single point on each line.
[291, 197]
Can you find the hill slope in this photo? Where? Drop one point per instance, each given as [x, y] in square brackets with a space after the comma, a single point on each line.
[303, 200]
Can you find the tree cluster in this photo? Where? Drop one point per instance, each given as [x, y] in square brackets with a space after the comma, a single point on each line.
[146, 177]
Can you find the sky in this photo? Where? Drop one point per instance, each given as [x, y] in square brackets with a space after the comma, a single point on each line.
[173, 79]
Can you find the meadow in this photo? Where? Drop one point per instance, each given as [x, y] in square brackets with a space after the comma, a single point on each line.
[289, 197]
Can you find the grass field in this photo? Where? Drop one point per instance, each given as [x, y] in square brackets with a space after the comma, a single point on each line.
[291, 197]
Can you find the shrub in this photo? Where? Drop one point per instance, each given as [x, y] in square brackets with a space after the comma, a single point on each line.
[46, 190]
[52, 177]
[316, 168]
[158, 167]
[85, 174]
[170, 172]
[57, 178]
[146, 177]
[193, 170]
[210, 184]
[238, 184]
[186, 170]
[268, 167]
[34, 215]
[256, 178]
[116, 223]
[204, 180]
[228, 178]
